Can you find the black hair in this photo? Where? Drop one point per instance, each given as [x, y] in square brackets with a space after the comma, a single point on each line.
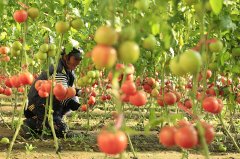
[76, 52]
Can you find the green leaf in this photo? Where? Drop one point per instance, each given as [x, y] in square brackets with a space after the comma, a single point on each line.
[155, 28]
[86, 4]
[62, 2]
[152, 115]
[68, 48]
[216, 6]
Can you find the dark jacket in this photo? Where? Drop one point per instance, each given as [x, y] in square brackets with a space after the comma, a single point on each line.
[60, 107]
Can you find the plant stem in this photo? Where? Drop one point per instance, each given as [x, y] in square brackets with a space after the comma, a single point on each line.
[131, 146]
[18, 126]
[50, 111]
[228, 133]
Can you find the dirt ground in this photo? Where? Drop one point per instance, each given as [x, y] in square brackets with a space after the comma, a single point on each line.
[97, 155]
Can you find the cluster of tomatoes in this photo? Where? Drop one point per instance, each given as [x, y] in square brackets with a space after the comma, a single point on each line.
[3, 54]
[17, 81]
[61, 93]
[185, 135]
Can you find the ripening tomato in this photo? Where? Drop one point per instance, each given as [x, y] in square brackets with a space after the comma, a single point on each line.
[128, 87]
[166, 136]
[138, 99]
[186, 137]
[210, 104]
[104, 56]
[59, 91]
[38, 84]
[106, 35]
[112, 142]
[20, 16]
[71, 92]
[169, 98]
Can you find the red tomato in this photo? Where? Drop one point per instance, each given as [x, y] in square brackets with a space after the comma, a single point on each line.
[8, 91]
[93, 93]
[188, 103]
[15, 82]
[166, 136]
[160, 101]
[178, 95]
[138, 99]
[220, 106]
[8, 83]
[170, 98]
[20, 89]
[210, 104]
[1, 90]
[38, 84]
[125, 98]
[91, 100]
[43, 94]
[209, 132]
[59, 91]
[182, 123]
[112, 142]
[128, 87]
[186, 137]
[20, 16]
[84, 107]
[26, 78]
[238, 99]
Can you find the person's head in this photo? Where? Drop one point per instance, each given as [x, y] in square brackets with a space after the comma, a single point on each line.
[73, 58]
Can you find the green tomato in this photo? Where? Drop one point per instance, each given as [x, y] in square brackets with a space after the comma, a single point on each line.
[14, 52]
[51, 53]
[129, 52]
[91, 74]
[52, 47]
[77, 23]
[33, 13]
[236, 51]
[106, 35]
[4, 140]
[150, 42]
[216, 46]
[142, 4]
[17, 45]
[190, 61]
[176, 68]
[62, 27]
[44, 48]
[128, 33]
[190, 2]
[41, 55]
